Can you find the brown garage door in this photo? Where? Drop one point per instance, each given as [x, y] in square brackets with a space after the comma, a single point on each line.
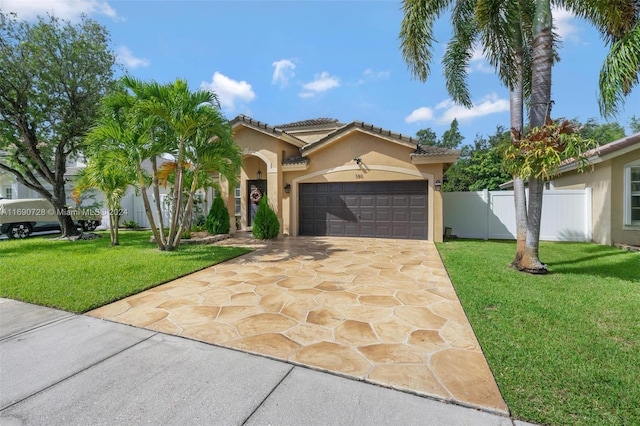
[364, 209]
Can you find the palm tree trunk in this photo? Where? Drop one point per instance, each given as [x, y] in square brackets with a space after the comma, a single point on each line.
[516, 107]
[530, 261]
[188, 208]
[147, 210]
[156, 195]
[177, 195]
[542, 62]
[113, 226]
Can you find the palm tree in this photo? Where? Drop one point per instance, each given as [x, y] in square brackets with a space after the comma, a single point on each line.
[108, 172]
[196, 134]
[511, 33]
[126, 132]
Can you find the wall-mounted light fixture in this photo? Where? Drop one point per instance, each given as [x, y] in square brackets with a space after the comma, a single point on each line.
[287, 188]
[438, 185]
[358, 160]
[259, 174]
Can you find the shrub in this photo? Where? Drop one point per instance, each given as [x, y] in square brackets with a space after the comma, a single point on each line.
[266, 224]
[218, 219]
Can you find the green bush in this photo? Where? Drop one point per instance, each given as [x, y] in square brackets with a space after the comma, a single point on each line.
[218, 219]
[265, 225]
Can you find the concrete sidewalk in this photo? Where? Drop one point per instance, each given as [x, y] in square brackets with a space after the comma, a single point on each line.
[58, 368]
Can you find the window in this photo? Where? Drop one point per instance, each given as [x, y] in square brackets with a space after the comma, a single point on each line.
[238, 200]
[632, 195]
[8, 193]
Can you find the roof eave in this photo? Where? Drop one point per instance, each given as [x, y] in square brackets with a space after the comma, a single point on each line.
[298, 167]
[433, 159]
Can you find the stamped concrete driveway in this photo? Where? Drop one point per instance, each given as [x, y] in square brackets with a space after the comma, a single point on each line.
[378, 310]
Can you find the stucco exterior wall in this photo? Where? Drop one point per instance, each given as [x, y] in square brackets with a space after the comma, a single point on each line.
[381, 160]
[607, 184]
[621, 233]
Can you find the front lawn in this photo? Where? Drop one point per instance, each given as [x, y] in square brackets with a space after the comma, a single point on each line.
[564, 347]
[82, 275]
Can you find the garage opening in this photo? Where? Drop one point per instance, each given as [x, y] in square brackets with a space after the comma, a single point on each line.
[394, 209]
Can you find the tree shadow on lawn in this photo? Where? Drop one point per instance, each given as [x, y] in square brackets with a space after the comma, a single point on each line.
[596, 260]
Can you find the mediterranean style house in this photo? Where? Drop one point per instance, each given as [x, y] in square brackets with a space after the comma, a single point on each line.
[614, 180]
[323, 177]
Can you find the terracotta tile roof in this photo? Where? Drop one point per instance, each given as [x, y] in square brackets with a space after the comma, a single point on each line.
[431, 151]
[609, 148]
[365, 126]
[244, 119]
[616, 145]
[298, 159]
[421, 151]
[309, 123]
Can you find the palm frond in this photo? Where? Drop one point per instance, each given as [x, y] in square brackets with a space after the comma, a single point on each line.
[416, 34]
[619, 73]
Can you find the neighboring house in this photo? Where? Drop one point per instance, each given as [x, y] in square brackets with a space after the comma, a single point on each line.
[10, 188]
[615, 186]
[323, 177]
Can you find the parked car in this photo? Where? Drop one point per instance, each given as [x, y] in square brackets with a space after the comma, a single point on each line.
[20, 218]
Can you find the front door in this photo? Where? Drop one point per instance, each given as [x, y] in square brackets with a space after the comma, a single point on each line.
[256, 189]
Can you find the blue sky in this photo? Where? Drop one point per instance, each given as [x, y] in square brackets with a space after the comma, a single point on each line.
[284, 61]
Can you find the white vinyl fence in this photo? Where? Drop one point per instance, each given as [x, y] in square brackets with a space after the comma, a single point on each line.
[566, 215]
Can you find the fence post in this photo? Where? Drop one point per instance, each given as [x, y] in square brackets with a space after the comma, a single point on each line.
[588, 214]
[487, 212]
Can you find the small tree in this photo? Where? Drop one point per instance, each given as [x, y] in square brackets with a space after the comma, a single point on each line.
[218, 218]
[266, 225]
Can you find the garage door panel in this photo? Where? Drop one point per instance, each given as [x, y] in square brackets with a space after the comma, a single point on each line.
[351, 200]
[367, 200]
[367, 215]
[365, 209]
[417, 201]
[351, 230]
[400, 216]
[417, 216]
[383, 215]
[400, 201]
[383, 201]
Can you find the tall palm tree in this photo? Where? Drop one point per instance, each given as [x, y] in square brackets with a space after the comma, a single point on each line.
[511, 32]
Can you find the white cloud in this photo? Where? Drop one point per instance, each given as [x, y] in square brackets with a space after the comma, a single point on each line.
[370, 75]
[420, 114]
[65, 9]
[563, 21]
[488, 105]
[127, 58]
[478, 61]
[448, 110]
[322, 83]
[228, 90]
[283, 72]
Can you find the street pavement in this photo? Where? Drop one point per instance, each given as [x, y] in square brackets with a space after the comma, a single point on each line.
[58, 368]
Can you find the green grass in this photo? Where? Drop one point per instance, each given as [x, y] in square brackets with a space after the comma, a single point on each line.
[82, 275]
[564, 347]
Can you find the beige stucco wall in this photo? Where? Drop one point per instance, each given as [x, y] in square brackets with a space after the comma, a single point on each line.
[621, 233]
[382, 160]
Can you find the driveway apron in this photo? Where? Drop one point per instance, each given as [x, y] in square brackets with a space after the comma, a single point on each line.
[379, 310]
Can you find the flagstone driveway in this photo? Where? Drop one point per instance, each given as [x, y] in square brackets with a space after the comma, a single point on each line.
[378, 310]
